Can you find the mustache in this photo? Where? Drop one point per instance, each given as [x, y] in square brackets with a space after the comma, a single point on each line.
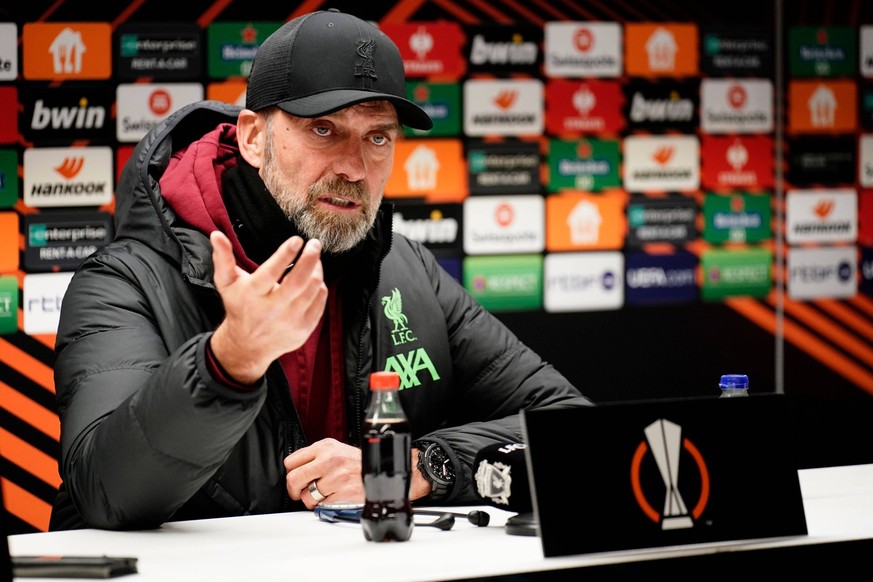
[356, 191]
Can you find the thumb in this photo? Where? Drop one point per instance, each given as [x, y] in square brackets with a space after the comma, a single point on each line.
[222, 260]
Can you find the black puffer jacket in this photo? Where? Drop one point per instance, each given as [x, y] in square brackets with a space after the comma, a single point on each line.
[147, 435]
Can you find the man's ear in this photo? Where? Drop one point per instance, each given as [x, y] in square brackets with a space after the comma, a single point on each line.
[251, 135]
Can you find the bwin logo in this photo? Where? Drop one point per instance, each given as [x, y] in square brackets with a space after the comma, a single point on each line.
[393, 308]
[664, 440]
[80, 117]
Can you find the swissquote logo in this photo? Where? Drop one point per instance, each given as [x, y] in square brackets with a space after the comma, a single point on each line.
[410, 364]
[142, 106]
[666, 445]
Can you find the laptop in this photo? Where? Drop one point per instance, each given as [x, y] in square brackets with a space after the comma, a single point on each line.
[646, 474]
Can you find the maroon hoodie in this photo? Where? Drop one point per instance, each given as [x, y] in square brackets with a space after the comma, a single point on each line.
[191, 185]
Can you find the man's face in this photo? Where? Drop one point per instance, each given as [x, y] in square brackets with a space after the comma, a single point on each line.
[328, 173]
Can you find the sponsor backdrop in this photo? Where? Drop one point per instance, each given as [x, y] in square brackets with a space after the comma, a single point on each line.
[649, 193]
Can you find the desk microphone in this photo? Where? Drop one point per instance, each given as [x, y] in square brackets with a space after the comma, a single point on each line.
[502, 481]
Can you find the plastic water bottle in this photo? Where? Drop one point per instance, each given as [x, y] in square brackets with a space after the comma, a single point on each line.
[733, 385]
[387, 463]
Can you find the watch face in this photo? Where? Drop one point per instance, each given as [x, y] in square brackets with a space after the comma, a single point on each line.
[440, 464]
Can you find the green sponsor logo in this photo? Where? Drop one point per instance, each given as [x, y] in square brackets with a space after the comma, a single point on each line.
[231, 46]
[590, 164]
[129, 45]
[821, 51]
[511, 283]
[8, 178]
[409, 365]
[393, 308]
[442, 102]
[36, 235]
[412, 363]
[736, 218]
[732, 273]
[8, 305]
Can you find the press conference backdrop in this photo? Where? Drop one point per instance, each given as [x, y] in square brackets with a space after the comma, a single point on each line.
[650, 193]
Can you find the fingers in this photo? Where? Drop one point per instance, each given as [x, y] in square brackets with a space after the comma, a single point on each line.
[222, 258]
[333, 466]
[272, 270]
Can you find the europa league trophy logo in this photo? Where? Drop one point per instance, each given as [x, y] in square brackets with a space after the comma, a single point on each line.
[665, 441]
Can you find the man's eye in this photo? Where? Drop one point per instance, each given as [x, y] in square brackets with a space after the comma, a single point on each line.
[380, 139]
[322, 131]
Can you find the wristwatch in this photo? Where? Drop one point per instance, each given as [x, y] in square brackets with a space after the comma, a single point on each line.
[436, 467]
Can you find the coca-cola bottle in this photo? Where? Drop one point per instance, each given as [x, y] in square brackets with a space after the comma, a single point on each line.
[387, 465]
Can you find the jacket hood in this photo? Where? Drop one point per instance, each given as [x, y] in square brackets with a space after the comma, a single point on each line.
[141, 211]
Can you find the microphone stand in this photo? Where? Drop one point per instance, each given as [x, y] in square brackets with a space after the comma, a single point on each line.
[523, 524]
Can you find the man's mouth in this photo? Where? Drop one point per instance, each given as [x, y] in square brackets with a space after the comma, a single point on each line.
[339, 202]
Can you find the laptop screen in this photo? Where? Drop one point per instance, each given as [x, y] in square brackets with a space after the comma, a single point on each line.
[656, 473]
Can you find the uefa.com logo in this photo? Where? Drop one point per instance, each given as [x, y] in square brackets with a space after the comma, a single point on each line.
[666, 443]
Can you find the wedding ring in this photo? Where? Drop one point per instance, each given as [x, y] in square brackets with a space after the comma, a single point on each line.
[316, 494]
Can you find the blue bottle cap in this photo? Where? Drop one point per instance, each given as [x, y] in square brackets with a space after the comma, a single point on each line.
[734, 381]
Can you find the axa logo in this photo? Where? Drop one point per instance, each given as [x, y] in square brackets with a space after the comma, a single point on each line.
[409, 365]
[70, 167]
[665, 444]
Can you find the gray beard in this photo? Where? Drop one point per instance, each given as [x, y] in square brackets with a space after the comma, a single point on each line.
[336, 232]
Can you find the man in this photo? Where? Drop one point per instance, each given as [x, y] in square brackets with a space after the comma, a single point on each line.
[213, 360]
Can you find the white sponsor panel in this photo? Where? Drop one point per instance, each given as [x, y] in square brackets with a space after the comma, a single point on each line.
[583, 281]
[68, 176]
[141, 106]
[508, 107]
[661, 163]
[865, 163]
[504, 224]
[583, 49]
[8, 51]
[819, 273]
[43, 295]
[736, 106]
[821, 215]
[865, 36]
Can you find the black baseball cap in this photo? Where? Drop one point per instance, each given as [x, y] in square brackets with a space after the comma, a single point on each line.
[325, 61]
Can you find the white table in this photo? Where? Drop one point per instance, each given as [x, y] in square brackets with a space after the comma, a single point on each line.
[296, 547]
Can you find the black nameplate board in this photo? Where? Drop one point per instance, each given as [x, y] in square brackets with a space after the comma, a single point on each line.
[663, 473]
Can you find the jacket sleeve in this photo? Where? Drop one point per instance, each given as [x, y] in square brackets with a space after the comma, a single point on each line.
[143, 425]
[495, 377]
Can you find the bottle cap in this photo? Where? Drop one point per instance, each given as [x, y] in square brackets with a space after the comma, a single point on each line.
[734, 381]
[384, 381]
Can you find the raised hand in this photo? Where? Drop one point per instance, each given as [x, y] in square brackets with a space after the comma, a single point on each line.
[268, 312]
